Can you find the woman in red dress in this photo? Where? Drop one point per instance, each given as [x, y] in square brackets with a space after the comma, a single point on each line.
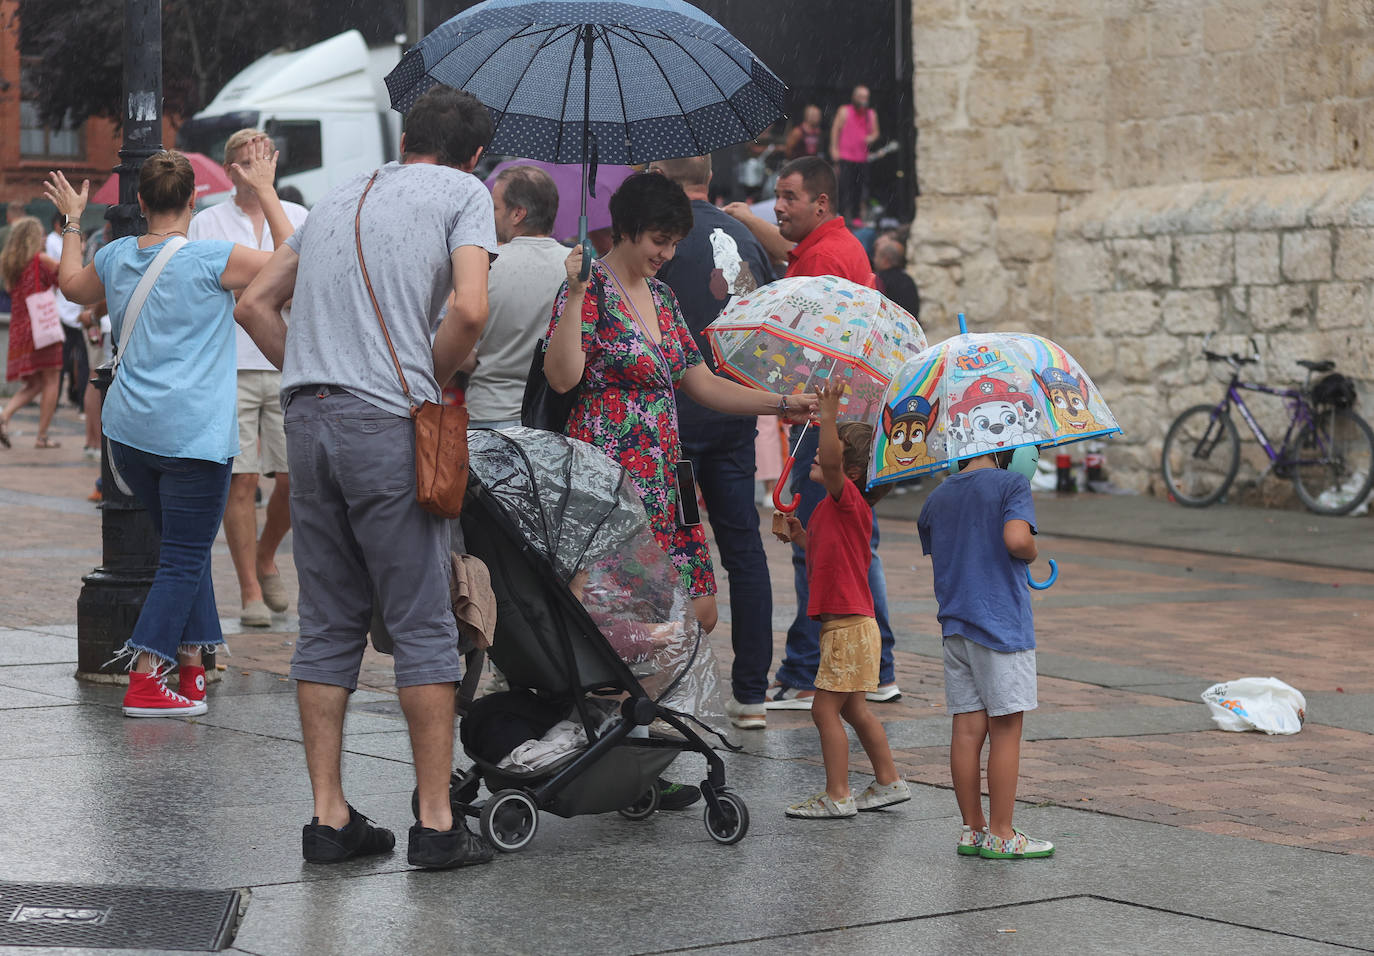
[26, 269]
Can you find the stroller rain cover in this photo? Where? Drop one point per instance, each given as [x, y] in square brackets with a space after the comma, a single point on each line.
[579, 510]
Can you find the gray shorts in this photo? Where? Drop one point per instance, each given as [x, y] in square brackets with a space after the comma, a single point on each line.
[979, 678]
[358, 531]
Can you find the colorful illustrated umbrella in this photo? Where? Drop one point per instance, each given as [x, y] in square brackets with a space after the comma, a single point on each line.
[977, 393]
[591, 81]
[568, 179]
[210, 178]
[794, 334]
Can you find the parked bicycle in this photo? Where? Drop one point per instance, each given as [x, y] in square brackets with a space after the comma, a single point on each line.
[1327, 451]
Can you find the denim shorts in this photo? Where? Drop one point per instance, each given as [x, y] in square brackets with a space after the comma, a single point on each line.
[979, 678]
[358, 532]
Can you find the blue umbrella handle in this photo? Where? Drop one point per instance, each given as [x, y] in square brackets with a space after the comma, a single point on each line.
[1042, 585]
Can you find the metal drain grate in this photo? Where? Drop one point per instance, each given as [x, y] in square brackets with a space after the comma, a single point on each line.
[116, 917]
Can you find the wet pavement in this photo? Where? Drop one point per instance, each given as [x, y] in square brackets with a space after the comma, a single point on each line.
[1171, 834]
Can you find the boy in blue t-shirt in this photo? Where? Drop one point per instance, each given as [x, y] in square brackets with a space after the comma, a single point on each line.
[978, 528]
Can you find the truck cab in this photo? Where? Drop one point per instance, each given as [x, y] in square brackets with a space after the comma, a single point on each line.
[326, 107]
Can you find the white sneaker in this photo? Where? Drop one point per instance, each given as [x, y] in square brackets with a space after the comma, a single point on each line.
[822, 806]
[875, 797]
[789, 698]
[884, 693]
[970, 841]
[746, 716]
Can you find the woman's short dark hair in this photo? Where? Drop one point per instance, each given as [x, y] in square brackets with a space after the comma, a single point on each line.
[649, 201]
[448, 124]
[166, 182]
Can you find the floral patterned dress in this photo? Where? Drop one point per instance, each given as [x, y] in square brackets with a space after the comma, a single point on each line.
[627, 408]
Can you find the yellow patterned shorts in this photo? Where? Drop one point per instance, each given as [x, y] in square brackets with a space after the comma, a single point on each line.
[850, 649]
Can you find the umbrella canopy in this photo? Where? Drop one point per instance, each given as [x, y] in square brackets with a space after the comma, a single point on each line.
[981, 392]
[210, 178]
[568, 179]
[646, 80]
[792, 334]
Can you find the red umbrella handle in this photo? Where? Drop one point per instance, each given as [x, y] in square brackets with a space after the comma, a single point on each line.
[782, 477]
[777, 489]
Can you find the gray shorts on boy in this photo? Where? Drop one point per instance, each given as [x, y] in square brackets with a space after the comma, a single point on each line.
[979, 678]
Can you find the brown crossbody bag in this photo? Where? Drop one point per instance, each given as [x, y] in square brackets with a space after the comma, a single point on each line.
[441, 431]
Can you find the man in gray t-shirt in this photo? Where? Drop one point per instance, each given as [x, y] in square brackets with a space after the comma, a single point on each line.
[524, 282]
[358, 533]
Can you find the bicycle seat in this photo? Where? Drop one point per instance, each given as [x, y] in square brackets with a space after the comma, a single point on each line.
[1312, 366]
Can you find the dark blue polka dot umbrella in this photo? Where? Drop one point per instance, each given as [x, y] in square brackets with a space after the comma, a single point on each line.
[588, 81]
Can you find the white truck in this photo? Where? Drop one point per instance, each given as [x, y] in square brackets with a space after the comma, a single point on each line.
[326, 106]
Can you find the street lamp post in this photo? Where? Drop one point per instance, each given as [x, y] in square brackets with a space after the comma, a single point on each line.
[112, 595]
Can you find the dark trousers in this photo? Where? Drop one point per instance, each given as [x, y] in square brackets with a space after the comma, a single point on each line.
[723, 458]
[853, 189]
[75, 363]
[803, 654]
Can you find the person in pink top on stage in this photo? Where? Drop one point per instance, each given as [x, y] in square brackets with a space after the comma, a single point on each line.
[853, 132]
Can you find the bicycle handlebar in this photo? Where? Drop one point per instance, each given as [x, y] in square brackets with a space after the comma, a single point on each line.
[1233, 357]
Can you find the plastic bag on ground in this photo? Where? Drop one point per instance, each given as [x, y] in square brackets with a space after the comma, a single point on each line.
[1256, 703]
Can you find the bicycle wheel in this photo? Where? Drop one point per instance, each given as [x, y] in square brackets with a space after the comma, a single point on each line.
[1333, 462]
[1201, 456]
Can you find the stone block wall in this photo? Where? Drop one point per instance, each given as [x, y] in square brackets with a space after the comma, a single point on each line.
[1128, 176]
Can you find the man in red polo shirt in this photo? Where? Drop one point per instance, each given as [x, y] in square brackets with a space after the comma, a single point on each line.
[816, 242]
[805, 207]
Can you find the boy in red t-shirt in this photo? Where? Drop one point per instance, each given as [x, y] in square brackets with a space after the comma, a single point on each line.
[836, 542]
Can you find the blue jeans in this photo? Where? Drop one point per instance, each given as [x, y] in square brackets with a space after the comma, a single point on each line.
[803, 654]
[723, 457]
[185, 499]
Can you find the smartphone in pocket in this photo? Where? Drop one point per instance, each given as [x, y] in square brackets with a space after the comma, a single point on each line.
[688, 514]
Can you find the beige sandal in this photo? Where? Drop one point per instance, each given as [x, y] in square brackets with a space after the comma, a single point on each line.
[45, 442]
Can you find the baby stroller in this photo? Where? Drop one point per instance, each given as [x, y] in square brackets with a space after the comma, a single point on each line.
[591, 625]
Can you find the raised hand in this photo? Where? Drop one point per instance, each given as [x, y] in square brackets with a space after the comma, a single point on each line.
[258, 171]
[60, 193]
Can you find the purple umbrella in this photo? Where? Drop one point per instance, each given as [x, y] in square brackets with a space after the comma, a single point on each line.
[568, 179]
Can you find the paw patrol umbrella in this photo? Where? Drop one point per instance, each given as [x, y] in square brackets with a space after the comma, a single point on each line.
[794, 334]
[981, 393]
[977, 393]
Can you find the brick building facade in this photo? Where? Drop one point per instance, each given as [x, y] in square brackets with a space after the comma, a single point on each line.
[1129, 176]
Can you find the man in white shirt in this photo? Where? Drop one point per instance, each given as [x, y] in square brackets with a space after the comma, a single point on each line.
[262, 440]
[74, 362]
[523, 282]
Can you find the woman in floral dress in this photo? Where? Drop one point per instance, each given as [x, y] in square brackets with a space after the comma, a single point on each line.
[631, 349]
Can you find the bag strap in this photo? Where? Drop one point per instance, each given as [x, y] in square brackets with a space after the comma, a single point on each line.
[145, 285]
[358, 237]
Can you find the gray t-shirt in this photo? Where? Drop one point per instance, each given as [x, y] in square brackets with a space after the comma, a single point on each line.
[523, 283]
[414, 218]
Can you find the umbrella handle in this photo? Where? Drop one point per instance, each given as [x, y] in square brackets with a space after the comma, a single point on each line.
[783, 474]
[778, 503]
[588, 251]
[1042, 585]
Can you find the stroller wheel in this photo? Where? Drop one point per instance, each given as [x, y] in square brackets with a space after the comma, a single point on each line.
[644, 807]
[731, 823]
[509, 820]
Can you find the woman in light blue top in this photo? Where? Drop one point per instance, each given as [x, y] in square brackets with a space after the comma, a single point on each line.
[169, 415]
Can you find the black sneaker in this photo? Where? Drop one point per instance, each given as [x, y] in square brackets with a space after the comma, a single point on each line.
[676, 796]
[444, 850]
[361, 837]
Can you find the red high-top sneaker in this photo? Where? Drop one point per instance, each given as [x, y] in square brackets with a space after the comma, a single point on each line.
[191, 682]
[149, 696]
